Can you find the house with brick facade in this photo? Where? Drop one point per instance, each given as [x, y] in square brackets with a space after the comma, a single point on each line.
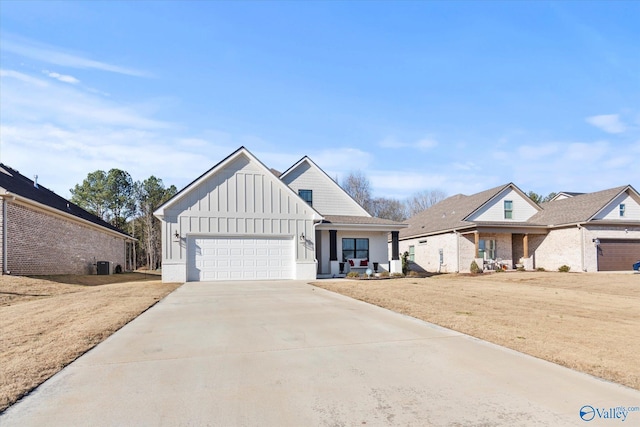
[503, 228]
[243, 221]
[43, 233]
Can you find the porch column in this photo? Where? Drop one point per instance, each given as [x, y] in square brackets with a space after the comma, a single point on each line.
[395, 245]
[525, 243]
[476, 237]
[333, 245]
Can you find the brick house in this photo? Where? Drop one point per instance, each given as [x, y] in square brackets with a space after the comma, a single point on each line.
[43, 233]
[503, 228]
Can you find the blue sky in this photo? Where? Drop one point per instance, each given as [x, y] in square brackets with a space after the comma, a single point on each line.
[460, 96]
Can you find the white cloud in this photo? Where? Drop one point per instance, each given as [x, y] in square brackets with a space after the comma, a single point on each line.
[423, 144]
[609, 123]
[61, 77]
[25, 78]
[54, 55]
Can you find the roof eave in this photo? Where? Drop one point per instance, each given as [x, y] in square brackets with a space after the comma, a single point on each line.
[47, 208]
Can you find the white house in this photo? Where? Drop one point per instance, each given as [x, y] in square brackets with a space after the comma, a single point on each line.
[502, 228]
[241, 221]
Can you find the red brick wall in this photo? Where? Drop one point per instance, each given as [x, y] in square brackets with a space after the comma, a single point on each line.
[42, 243]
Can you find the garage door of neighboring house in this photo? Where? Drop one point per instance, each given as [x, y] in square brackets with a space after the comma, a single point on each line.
[240, 258]
[618, 254]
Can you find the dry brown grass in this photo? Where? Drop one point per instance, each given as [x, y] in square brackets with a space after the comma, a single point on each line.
[47, 322]
[587, 322]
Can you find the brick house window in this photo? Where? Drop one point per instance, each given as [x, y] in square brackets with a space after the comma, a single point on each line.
[508, 209]
[488, 248]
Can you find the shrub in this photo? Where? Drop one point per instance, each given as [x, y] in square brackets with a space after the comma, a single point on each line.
[564, 268]
[540, 269]
[474, 267]
[521, 268]
[499, 270]
[405, 262]
[384, 274]
[397, 275]
[353, 274]
[413, 274]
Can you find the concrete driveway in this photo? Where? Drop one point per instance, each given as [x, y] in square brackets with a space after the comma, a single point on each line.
[289, 354]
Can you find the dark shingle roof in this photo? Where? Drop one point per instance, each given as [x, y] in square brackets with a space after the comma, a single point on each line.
[449, 214]
[359, 220]
[13, 182]
[579, 208]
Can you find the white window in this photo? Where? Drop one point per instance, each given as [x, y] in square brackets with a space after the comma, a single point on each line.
[487, 249]
[508, 209]
[412, 253]
[622, 209]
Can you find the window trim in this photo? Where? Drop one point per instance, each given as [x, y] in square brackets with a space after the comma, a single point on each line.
[508, 212]
[623, 210]
[309, 192]
[412, 253]
[355, 248]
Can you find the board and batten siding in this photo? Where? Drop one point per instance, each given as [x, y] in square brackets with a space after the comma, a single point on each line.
[328, 197]
[494, 210]
[240, 199]
[612, 211]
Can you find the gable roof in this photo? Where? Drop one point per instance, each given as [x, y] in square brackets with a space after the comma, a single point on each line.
[307, 160]
[19, 186]
[242, 151]
[579, 208]
[450, 213]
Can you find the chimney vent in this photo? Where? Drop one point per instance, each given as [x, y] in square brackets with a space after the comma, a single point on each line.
[35, 181]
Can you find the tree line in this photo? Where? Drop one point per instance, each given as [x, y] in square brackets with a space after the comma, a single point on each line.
[115, 198]
[358, 186]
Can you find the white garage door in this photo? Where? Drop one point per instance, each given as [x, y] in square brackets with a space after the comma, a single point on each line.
[240, 258]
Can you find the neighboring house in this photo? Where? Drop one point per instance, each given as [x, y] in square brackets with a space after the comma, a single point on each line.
[43, 233]
[503, 228]
[242, 221]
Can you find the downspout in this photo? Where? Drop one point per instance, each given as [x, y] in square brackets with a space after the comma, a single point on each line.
[458, 251]
[315, 248]
[581, 228]
[5, 269]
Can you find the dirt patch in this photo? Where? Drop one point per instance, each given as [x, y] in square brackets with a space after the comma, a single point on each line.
[587, 322]
[47, 322]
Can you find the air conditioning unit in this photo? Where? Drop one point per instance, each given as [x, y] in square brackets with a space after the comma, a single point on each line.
[103, 268]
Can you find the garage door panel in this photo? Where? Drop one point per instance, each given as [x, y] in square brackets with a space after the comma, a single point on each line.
[618, 254]
[240, 258]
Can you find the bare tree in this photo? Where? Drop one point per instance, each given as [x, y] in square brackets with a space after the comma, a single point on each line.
[423, 200]
[358, 187]
[393, 209]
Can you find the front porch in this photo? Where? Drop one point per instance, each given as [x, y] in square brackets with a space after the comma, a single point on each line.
[362, 240]
[496, 249]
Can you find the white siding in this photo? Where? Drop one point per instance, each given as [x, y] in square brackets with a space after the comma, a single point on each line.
[612, 211]
[242, 198]
[328, 197]
[494, 210]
